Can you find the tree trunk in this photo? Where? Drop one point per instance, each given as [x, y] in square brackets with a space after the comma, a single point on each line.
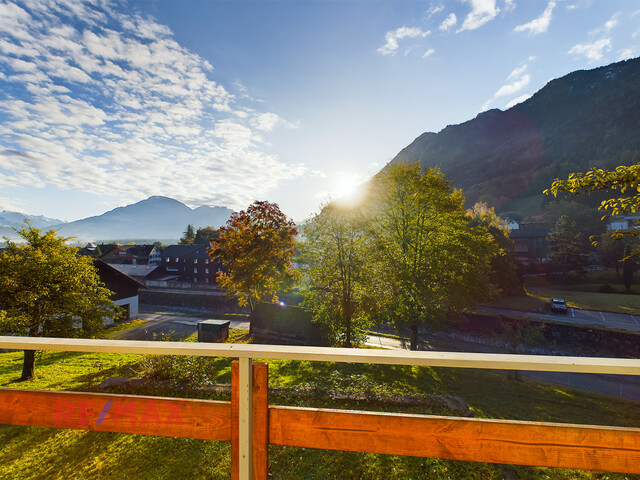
[414, 336]
[349, 332]
[29, 365]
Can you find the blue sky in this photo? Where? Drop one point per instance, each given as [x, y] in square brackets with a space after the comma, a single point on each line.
[223, 103]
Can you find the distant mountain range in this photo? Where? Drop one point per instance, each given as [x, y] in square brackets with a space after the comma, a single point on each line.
[507, 158]
[11, 220]
[156, 218]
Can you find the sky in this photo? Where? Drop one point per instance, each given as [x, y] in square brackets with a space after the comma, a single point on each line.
[103, 104]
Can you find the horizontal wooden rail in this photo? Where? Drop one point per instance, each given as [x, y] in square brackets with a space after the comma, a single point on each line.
[169, 417]
[613, 449]
[324, 354]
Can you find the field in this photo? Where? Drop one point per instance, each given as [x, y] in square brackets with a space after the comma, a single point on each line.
[30, 452]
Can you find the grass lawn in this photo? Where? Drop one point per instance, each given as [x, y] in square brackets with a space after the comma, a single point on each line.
[30, 452]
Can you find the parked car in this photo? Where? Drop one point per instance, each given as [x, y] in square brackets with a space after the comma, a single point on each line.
[558, 305]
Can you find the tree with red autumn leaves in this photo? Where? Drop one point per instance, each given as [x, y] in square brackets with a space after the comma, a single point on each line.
[255, 247]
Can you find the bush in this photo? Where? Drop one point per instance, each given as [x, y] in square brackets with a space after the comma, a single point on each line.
[607, 288]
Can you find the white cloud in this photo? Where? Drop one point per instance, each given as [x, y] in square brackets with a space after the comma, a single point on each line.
[428, 53]
[607, 27]
[517, 100]
[435, 9]
[592, 51]
[482, 11]
[517, 80]
[509, 5]
[391, 46]
[627, 53]
[540, 24]
[107, 101]
[448, 22]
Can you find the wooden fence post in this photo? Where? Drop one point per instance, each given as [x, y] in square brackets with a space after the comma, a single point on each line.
[235, 456]
[260, 421]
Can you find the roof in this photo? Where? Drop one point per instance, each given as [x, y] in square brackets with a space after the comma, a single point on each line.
[186, 251]
[135, 270]
[105, 268]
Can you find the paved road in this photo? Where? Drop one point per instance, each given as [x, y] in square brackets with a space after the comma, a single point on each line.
[587, 318]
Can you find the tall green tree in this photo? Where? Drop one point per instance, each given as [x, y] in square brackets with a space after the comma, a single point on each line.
[188, 236]
[503, 275]
[567, 246]
[256, 248]
[340, 283]
[435, 264]
[47, 290]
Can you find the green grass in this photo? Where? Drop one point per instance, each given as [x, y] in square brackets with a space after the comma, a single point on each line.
[30, 452]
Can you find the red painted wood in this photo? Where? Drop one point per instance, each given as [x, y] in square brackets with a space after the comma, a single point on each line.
[168, 417]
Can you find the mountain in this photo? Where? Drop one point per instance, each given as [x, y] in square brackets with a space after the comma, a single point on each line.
[156, 218]
[10, 220]
[507, 158]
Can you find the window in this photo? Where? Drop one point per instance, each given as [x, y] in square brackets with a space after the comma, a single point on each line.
[177, 260]
[195, 260]
[195, 280]
[206, 262]
[206, 270]
[195, 270]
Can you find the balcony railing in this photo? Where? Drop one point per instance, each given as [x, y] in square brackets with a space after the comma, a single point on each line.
[251, 424]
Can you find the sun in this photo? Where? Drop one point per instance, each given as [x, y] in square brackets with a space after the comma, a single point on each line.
[347, 188]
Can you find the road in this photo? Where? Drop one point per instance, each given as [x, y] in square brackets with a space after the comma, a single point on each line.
[181, 326]
[585, 318]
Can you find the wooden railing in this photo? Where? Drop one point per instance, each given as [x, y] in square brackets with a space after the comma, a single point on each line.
[250, 424]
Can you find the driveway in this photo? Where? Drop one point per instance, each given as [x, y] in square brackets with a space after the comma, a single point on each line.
[159, 325]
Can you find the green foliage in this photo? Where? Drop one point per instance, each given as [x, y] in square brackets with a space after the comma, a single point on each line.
[435, 265]
[256, 247]
[567, 246]
[339, 273]
[503, 267]
[624, 180]
[188, 236]
[205, 234]
[47, 290]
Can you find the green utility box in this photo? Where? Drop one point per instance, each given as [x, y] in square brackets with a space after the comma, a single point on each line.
[213, 331]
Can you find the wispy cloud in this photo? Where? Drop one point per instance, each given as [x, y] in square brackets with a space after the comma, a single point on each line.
[428, 53]
[482, 11]
[99, 98]
[517, 80]
[627, 53]
[391, 46]
[435, 9]
[540, 24]
[608, 25]
[518, 100]
[593, 51]
[448, 22]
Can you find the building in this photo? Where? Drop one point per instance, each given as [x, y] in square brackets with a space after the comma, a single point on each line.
[124, 288]
[189, 263]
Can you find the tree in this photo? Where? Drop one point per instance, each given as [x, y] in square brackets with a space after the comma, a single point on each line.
[255, 247]
[47, 290]
[435, 264]
[205, 234]
[188, 236]
[624, 179]
[504, 275]
[567, 246]
[338, 271]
